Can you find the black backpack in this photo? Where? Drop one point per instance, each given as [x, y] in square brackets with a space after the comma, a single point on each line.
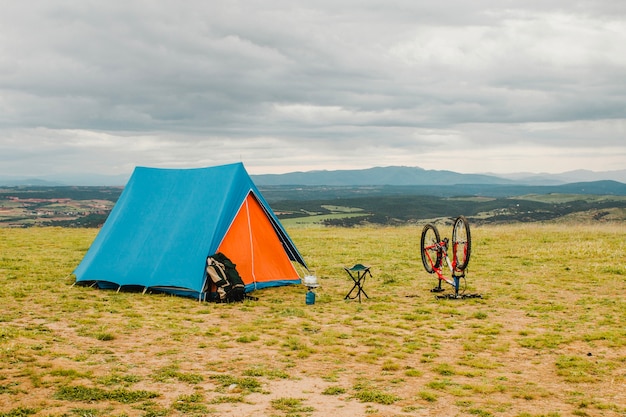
[223, 274]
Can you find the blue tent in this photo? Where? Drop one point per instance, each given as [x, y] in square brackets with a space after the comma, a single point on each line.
[167, 221]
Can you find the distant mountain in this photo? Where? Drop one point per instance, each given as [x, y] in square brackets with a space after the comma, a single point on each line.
[28, 182]
[416, 176]
[377, 176]
[580, 175]
[604, 187]
[65, 180]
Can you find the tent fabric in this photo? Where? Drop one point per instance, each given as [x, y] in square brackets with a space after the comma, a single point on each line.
[167, 221]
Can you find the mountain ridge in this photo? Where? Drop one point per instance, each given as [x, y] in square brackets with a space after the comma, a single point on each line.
[375, 176]
[413, 176]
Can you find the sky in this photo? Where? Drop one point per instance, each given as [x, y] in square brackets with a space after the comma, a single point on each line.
[487, 86]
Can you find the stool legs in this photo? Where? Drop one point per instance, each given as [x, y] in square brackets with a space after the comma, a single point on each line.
[359, 281]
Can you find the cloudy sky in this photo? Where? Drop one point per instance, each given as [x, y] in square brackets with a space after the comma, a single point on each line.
[288, 85]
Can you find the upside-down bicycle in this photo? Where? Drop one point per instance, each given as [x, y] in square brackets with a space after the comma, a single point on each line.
[435, 254]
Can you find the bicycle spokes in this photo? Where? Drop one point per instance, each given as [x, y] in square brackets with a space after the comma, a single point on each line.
[430, 248]
[461, 243]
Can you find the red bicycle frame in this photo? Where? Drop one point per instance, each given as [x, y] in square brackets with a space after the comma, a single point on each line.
[442, 255]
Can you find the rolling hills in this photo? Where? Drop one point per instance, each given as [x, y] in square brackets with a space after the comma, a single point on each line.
[599, 201]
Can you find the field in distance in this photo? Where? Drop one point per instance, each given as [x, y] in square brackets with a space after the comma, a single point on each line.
[56, 206]
[345, 206]
[402, 210]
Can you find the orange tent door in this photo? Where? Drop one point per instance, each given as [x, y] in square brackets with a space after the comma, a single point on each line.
[253, 245]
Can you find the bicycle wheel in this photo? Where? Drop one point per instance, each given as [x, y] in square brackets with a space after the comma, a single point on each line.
[461, 243]
[431, 255]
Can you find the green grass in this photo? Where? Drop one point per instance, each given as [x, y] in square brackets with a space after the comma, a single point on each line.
[334, 390]
[191, 404]
[19, 412]
[291, 406]
[547, 338]
[90, 394]
[364, 392]
[316, 220]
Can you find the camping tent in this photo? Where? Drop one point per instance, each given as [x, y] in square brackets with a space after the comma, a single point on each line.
[167, 221]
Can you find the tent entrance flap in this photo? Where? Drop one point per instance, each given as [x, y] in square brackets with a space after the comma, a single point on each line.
[254, 246]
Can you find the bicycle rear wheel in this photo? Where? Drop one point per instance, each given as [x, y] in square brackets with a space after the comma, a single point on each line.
[431, 255]
[461, 243]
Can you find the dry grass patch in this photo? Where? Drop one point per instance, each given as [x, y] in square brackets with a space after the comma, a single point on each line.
[547, 338]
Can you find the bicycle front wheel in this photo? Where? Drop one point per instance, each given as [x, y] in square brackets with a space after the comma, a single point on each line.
[461, 243]
[431, 254]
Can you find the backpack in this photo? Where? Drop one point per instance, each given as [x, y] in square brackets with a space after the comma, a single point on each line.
[224, 276]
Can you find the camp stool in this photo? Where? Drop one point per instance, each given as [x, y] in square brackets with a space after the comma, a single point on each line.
[357, 273]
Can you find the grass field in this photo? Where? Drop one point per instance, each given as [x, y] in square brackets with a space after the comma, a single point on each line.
[548, 337]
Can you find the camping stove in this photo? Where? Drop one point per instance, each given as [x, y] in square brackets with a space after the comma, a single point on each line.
[310, 281]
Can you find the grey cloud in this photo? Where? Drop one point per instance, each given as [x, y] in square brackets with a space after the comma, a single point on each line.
[333, 75]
